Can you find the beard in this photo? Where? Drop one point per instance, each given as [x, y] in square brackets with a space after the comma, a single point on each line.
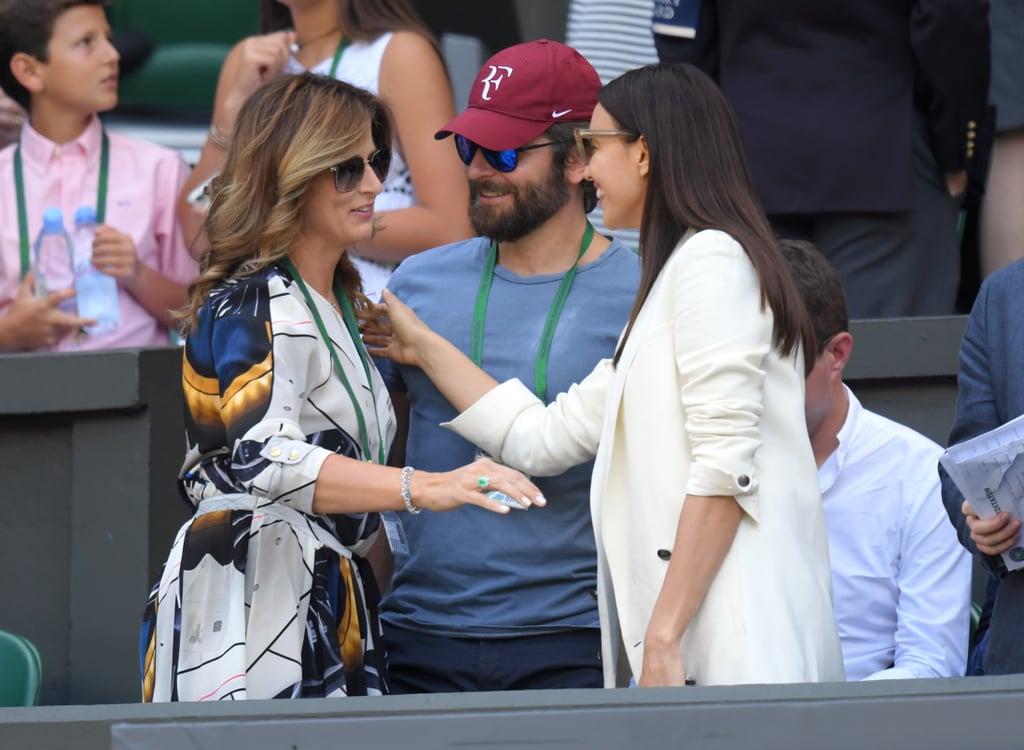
[532, 205]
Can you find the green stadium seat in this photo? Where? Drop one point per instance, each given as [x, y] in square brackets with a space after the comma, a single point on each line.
[191, 39]
[20, 671]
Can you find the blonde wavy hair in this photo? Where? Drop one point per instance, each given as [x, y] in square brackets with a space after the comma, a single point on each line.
[288, 132]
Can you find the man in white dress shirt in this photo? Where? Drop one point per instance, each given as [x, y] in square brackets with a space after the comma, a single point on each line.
[901, 583]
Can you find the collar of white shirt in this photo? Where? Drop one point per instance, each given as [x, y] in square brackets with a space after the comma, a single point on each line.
[830, 470]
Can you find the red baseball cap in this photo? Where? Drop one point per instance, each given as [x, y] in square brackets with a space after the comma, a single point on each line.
[523, 90]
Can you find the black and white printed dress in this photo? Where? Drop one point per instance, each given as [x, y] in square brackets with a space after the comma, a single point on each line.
[260, 597]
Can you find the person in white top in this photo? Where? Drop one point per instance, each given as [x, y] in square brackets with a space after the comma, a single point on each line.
[901, 583]
[382, 46]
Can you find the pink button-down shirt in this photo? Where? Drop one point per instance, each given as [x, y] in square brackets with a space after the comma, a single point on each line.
[144, 182]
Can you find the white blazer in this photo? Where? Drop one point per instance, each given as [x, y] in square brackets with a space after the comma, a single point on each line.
[700, 403]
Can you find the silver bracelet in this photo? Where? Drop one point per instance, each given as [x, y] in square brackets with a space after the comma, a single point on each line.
[406, 494]
[219, 137]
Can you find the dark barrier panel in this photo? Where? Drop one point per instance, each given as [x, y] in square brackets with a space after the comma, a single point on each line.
[906, 370]
[980, 712]
[90, 444]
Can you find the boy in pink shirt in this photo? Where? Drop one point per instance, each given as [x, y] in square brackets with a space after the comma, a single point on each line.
[56, 60]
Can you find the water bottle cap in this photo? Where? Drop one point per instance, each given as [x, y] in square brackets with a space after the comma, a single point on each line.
[53, 220]
[85, 215]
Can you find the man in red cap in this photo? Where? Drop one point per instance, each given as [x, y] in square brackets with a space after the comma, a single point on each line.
[508, 602]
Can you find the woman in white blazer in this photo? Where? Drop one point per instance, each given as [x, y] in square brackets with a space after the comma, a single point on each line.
[713, 559]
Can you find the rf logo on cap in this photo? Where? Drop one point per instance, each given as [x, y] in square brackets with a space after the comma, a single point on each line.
[541, 83]
[495, 79]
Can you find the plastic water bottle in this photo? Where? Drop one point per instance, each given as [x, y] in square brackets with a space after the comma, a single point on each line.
[96, 292]
[53, 261]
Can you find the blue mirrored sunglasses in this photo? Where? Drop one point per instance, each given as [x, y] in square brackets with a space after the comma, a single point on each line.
[503, 161]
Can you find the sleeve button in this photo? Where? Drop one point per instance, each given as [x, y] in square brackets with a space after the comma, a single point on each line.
[743, 480]
[664, 554]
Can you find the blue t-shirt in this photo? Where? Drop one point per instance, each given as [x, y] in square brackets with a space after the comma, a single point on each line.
[471, 572]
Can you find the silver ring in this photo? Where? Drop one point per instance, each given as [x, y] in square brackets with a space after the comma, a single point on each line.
[483, 483]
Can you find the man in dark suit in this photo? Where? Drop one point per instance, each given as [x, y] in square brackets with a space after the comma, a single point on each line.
[991, 392]
[860, 118]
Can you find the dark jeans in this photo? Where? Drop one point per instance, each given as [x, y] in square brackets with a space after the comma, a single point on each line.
[422, 663]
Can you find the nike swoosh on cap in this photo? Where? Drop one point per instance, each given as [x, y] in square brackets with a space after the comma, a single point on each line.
[559, 114]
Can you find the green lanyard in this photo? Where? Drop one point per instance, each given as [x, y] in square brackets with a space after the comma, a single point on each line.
[349, 316]
[19, 189]
[540, 370]
[337, 56]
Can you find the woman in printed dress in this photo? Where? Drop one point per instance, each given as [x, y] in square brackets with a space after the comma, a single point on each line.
[267, 592]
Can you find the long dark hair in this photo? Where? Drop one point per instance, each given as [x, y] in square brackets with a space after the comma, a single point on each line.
[699, 178]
